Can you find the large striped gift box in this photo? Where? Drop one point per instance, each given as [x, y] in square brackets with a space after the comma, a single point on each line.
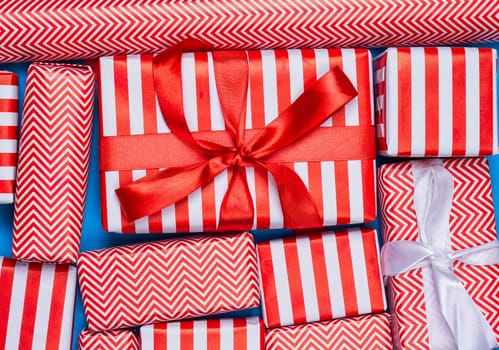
[368, 332]
[342, 188]
[53, 163]
[320, 276]
[123, 339]
[8, 135]
[417, 234]
[223, 334]
[436, 101]
[36, 305]
[168, 280]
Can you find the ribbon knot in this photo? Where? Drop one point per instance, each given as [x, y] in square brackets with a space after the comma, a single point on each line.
[241, 156]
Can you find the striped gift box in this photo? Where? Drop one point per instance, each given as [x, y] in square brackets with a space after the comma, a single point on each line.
[315, 277]
[223, 334]
[437, 101]
[343, 190]
[8, 135]
[369, 332]
[124, 339]
[36, 305]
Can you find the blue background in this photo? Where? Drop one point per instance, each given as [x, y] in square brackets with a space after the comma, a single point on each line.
[93, 236]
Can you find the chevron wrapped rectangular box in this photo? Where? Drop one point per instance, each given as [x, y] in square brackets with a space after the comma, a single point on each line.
[226, 334]
[138, 139]
[360, 333]
[36, 305]
[436, 101]
[168, 280]
[440, 253]
[123, 339]
[320, 276]
[53, 163]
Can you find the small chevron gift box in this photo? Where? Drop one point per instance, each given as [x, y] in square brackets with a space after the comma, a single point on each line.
[123, 339]
[440, 255]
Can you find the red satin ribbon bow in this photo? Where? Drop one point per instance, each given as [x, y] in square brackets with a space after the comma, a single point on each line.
[152, 193]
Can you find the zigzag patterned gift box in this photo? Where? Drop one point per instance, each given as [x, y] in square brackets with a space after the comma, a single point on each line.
[224, 334]
[168, 280]
[320, 276]
[360, 333]
[123, 339]
[36, 305]
[436, 101]
[8, 135]
[441, 253]
[53, 163]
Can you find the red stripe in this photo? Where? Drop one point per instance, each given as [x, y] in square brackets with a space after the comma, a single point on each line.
[9, 105]
[404, 102]
[364, 97]
[380, 90]
[155, 220]
[8, 132]
[347, 277]
[368, 169]
[458, 101]
[148, 95]
[213, 334]
[431, 93]
[320, 277]
[103, 198]
[187, 335]
[240, 334]
[8, 159]
[30, 305]
[283, 80]
[6, 281]
[57, 306]
[8, 78]
[125, 177]
[121, 93]
[342, 191]
[159, 336]
[182, 215]
[486, 101]
[294, 280]
[269, 289]
[373, 273]
[7, 186]
[336, 59]
[315, 185]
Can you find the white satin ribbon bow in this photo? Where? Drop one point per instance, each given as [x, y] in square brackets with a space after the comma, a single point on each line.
[454, 321]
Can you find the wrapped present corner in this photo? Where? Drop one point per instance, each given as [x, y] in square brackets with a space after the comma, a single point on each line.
[226, 334]
[236, 140]
[440, 254]
[123, 339]
[320, 276]
[436, 101]
[168, 280]
[36, 305]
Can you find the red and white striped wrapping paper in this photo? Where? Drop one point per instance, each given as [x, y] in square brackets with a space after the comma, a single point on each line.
[215, 334]
[369, 332]
[168, 280]
[53, 163]
[320, 276]
[8, 135]
[36, 305]
[123, 339]
[342, 189]
[39, 30]
[436, 101]
[472, 223]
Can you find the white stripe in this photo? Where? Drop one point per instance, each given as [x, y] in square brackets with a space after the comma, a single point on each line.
[494, 105]
[322, 66]
[168, 220]
[371, 88]
[444, 101]
[9, 92]
[160, 120]
[307, 278]
[276, 217]
[221, 182]
[173, 336]
[301, 169]
[147, 338]
[379, 75]
[44, 302]
[250, 177]
[6, 198]
[189, 91]
[253, 333]
[68, 313]
[108, 104]
[333, 274]
[142, 224]
[195, 211]
[350, 69]
[227, 334]
[391, 102]
[7, 172]
[217, 119]
[329, 193]
[279, 265]
[16, 305]
[200, 335]
[269, 71]
[418, 102]
[8, 146]
[135, 95]
[359, 271]
[472, 101]
[295, 74]
[249, 115]
[8, 119]
[355, 192]
[112, 204]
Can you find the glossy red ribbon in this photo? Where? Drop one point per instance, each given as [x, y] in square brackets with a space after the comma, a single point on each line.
[152, 193]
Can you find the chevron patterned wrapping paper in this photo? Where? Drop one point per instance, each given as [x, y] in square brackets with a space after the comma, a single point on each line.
[52, 171]
[221, 334]
[369, 332]
[320, 276]
[472, 224]
[343, 189]
[124, 339]
[168, 280]
[436, 101]
[43, 30]
[36, 305]
[8, 135]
